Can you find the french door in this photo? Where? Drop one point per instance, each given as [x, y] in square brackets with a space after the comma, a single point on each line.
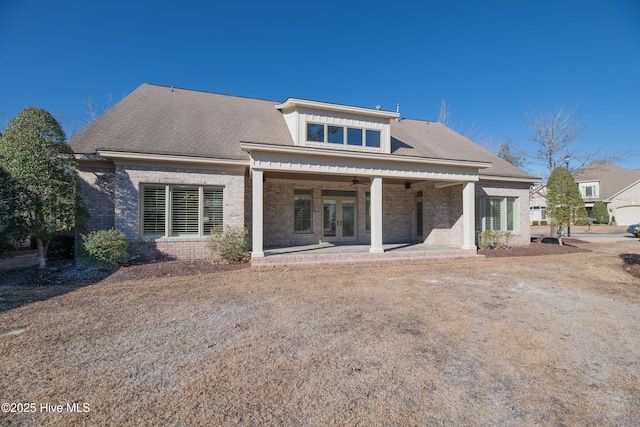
[339, 219]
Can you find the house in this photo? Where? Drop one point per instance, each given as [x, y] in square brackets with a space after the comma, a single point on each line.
[538, 205]
[168, 166]
[617, 187]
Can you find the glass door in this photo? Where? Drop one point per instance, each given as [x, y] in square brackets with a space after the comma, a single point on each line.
[329, 218]
[339, 220]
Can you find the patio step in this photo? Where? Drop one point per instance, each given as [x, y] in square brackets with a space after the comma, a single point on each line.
[360, 257]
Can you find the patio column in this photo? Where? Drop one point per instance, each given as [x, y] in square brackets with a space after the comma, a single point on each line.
[376, 215]
[468, 216]
[257, 213]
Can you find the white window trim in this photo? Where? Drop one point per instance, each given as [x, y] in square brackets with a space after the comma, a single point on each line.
[503, 213]
[168, 214]
[345, 136]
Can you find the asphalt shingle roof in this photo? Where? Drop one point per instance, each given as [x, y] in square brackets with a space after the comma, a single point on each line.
[612, 178]
[163, 120]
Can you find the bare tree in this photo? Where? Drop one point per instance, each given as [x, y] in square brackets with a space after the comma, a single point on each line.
[554, 133]
[473, 132]
[444, 116]
[94, 109]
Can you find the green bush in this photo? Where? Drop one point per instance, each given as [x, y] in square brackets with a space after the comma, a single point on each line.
[600, 213]
[230, 244]
[536, 223]
[108, 247]
[493, 239]
[543, 222]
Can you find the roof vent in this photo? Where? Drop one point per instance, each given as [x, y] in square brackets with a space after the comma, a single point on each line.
[378, 107]
[398, 111]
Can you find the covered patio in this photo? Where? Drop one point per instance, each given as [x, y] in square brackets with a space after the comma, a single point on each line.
[329, 253]
[437, 195]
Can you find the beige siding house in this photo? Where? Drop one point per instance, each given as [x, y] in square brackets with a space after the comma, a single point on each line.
[169, 166]
[617, 187]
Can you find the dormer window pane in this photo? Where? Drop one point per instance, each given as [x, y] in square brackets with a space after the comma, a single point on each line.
[373, 138]
[354, 136]
[335, 134]
[315, 132]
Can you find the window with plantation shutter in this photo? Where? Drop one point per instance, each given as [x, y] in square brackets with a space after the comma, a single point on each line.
[212, 210]
[492, 213]
[181, 210]
[511, 214]
[184, 211]
[496, 214]
[154, 211]
[302, 211]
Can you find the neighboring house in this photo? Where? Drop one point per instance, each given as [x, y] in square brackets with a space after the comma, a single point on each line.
[538, 204]
[168, 166]
[617, 187]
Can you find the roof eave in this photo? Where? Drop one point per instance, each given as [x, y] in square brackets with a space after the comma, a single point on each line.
[249, 146]
[292, 103]
[121, 155]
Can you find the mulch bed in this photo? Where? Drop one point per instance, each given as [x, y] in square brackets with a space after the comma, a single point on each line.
[539, 246]
[153, 270]
[631, 264]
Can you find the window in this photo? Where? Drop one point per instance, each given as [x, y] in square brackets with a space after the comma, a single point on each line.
[354, 136]
[590, 191]
[343, 135]
[496, 214]
[302, 211]
[315, 132]
[181, 210]
[373, 138]
[335, 134]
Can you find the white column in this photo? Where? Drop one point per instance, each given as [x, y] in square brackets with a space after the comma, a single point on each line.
[468, 216]
[257, 214]
[376, 215]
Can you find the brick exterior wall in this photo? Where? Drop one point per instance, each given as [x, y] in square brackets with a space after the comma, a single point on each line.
[521, 237]
[111, 195]
[98, 187]
[112, 198]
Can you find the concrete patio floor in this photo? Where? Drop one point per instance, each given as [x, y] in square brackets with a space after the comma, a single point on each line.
[328, 253]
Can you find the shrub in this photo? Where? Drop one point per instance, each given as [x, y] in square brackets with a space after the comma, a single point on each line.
[543, 222]
[493, 239]
[231, 244]
[108, 247]
[535, 223]
[600, 213]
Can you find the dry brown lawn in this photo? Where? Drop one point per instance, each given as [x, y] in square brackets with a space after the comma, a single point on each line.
[548, 340]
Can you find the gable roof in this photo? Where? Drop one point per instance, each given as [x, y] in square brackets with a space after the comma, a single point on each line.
[162, 120]
[612, 178]
[168, 121]
[421, 138]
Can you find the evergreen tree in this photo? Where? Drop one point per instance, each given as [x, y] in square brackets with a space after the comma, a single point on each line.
[564, 202]
[43, 198]
[600, 213]
[507, 152]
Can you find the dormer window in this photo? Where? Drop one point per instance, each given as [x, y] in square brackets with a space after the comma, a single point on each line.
[338, 127]
[331, 134]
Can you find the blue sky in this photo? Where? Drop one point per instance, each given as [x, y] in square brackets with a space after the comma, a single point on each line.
[490, 61]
